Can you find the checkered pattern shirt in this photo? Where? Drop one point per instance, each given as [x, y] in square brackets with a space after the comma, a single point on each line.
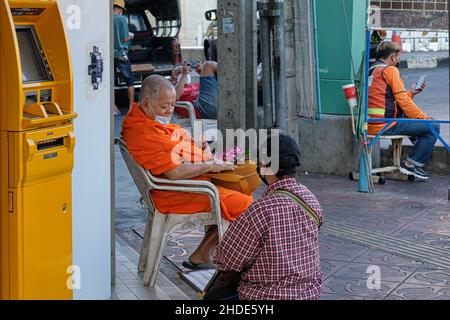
[275, 246]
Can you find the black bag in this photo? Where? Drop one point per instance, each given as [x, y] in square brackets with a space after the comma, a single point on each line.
[223, 286]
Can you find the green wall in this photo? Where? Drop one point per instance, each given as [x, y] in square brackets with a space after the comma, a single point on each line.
[334, 49]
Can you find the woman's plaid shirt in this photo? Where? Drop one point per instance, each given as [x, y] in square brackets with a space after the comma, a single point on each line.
[275, 244]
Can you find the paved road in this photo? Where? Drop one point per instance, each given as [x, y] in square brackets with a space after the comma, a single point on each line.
[424, 55]
[435, 99]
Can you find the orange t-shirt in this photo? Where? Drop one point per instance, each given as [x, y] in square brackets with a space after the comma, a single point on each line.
[161, 148]
[388, 98]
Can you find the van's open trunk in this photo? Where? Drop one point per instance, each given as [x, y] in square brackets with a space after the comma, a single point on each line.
[153, 45]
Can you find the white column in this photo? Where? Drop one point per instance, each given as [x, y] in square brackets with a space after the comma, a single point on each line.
[91, 187]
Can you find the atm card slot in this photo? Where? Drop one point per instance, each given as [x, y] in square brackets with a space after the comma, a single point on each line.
[49, 144]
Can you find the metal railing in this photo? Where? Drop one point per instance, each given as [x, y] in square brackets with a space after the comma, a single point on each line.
[411, 5]
[415, 41]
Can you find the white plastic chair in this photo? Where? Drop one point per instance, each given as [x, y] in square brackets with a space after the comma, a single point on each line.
[191, 111]
[160, 226]
[208, 125]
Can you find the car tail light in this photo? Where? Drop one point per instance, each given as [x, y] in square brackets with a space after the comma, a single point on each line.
[176, 49]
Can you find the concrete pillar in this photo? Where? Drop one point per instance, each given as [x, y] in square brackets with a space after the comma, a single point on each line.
[91, 186]
[236, 63]
[300, 63]
[251, 62]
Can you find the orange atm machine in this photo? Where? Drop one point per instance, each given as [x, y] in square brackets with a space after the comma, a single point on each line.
[36, 152]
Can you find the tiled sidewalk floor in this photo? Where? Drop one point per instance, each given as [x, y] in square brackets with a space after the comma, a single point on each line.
[128, 284]
[417, 213]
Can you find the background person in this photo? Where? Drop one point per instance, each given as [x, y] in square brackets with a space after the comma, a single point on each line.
[376, 38]
[388, 98]
[203, 96]
[122, 40]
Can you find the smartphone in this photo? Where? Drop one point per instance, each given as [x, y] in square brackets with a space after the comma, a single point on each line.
[421, 81]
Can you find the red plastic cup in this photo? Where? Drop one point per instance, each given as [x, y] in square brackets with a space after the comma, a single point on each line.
[350, 95]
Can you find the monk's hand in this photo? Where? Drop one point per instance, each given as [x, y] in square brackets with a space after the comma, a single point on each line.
[219, 167]
[203, 143]
[205, 147]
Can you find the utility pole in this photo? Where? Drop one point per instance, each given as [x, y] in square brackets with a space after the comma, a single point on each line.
[231, 68]
[251, 61]
[274, 59]
[301, 64]
[288, 60]
[279, 68]
[266, 60]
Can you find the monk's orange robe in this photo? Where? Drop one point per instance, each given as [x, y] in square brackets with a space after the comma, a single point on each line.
[161, 148]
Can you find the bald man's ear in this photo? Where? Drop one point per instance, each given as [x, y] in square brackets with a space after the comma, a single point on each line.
[145, 106]
[143, 103]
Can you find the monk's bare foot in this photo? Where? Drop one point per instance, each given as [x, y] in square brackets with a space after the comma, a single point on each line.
[198, 258]
[207, 246]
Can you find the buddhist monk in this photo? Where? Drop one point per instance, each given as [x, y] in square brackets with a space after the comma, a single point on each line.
[169, 151]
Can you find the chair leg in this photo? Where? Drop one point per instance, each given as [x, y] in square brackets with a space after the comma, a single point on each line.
[145, 244]
[397, 151]
[225, 225]
[170, 226]
[157, 232]
[370, 149]
[154, 273]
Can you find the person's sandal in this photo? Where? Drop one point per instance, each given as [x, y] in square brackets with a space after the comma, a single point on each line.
[201, 266]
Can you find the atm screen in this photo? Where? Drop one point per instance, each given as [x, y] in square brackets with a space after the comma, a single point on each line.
[32, 61]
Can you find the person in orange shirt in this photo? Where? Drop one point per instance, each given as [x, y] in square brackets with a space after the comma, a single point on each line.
[388, 98]
[169, 151]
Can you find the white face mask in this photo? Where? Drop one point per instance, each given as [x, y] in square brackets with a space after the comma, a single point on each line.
[163, 120]
[188, 80]
[160, 119]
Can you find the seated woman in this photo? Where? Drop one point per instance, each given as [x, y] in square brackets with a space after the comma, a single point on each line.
[168, 150]
[203, 96]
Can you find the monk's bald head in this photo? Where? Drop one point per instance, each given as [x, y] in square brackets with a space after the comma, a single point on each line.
[153, 86]
[156, 94]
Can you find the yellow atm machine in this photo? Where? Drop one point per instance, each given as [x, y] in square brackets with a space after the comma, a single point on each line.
[36, 152]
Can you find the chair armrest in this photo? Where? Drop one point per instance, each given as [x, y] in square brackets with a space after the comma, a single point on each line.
[190, 108]
[186, 185]
[193, 122]
[192, 186]
[198, 187]
[196, 183]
